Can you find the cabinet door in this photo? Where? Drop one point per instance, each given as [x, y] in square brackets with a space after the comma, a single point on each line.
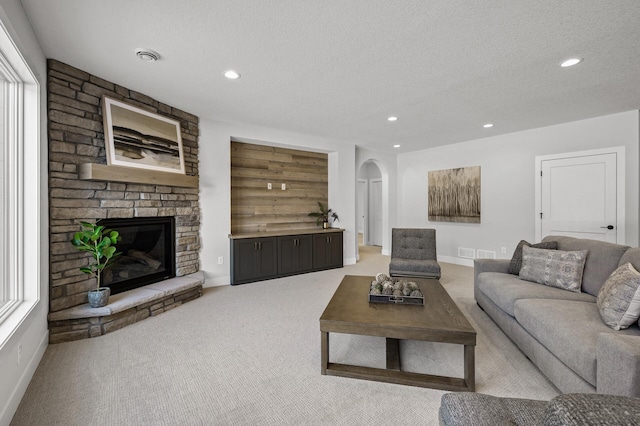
[335, 243]
[305, 253]
[254, 259]
[320, 243]
[294, 254]
[287, 253]
[327, 250]
[243, 258]
[267, 257]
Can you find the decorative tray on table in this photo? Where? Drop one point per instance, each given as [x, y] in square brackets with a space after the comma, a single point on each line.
[385, 289]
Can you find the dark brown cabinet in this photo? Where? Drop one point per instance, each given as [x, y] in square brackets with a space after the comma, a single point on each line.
[256, 259]
[294, 254]
[327, 251]
[253, 259]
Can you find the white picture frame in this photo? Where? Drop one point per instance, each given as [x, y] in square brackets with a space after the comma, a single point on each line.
[138, 138]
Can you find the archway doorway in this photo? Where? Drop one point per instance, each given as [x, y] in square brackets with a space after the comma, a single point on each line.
[369, 207]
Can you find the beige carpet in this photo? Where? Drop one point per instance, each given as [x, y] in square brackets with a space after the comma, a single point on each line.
[250, 355]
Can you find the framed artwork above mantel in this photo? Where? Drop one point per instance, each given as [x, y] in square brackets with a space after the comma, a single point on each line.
[138, 138]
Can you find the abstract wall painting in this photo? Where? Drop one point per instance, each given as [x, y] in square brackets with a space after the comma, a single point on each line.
[138, 138]
[454, 195]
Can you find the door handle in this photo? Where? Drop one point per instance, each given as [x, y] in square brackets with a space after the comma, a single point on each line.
[607, 227]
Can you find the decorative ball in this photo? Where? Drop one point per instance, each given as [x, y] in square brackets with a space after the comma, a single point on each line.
[406, 290]
[375, 291]
[397, 292]
[416, 293]
[387, 290]
[380, 277]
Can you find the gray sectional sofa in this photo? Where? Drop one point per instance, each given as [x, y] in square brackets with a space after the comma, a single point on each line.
[560, 331]
[573, 409]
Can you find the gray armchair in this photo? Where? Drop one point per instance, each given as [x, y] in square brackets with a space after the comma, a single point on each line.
[413, 253]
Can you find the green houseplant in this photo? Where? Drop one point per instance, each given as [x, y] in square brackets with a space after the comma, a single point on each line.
[100, 242]
[324, 215]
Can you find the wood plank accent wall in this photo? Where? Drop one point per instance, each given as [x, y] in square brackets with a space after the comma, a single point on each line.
[254, 208]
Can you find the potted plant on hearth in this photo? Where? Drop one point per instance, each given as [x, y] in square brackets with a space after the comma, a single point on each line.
[100, 242]
[326, 216]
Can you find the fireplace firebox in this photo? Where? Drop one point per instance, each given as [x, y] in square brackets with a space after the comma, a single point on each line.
[148, 252]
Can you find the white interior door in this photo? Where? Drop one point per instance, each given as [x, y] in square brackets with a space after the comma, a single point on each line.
[362, 206]
[579, 197]
[375, 212]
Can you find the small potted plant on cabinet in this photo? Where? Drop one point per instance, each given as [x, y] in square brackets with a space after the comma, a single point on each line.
[100, 242]
[326, 216]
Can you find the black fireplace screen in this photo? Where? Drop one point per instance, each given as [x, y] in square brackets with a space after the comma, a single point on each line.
[148, 252]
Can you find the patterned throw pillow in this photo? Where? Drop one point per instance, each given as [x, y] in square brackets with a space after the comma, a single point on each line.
[516, 259]
[555, 268]
[619, 298]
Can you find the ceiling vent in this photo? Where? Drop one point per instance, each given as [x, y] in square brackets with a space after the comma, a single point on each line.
[147, 55]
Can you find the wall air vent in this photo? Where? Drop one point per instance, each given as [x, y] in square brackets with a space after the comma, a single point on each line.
[486, 254]
[467, 253]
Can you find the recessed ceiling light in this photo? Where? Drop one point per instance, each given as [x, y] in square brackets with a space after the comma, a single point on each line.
[488, 125]
[396, 146]
[392, 118]
[231, 75]
[570, 62]
[147, 55]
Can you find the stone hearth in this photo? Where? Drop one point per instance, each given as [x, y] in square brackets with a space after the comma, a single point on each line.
[81, 322]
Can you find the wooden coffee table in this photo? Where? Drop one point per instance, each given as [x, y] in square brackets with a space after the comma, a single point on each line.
[439, 320]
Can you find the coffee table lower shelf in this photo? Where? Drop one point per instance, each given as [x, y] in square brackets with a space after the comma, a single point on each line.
[393, 374]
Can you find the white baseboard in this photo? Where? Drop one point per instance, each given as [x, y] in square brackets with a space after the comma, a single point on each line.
[385, 252]
[349, 261]
[217, 281]
[25, 379]
[456, 260]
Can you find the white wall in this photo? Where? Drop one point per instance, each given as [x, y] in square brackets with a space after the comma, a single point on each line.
[386, 163]
[215, 191]
[508, 173]
[31, 335]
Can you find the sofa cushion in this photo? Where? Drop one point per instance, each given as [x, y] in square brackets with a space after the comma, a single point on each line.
[568, 329]
[516, 259]
[505, 289]
[619, 298]
[555, 268]
[603, 258]
[631, 256]
[581, 409]
[466, 408]
[425, 267]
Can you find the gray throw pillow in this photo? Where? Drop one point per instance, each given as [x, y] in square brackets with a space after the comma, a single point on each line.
[619, 298]
[555, 268]
[516, 259]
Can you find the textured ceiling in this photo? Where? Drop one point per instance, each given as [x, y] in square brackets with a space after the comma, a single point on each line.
[339, 68]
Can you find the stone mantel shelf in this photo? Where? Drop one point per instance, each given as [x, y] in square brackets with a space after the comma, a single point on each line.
[111, 173]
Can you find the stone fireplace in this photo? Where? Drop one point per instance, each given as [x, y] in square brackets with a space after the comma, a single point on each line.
[147, 247]
[76, 140]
